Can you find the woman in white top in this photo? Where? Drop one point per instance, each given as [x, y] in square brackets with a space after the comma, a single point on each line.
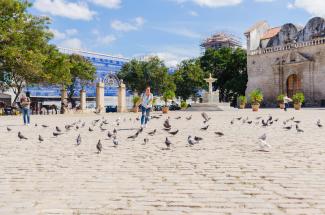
[286, 101]
[146, 105]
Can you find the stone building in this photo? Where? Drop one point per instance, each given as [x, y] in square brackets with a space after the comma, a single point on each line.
[287, 59]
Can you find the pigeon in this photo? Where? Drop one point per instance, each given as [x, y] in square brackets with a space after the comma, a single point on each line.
[152, 132]
[35, 124]
[90, 129]
[115, 142]
[45, 126]
[239, 118]
[55, 134]
[191, 141]
[168, 143]
[189, 117]
[198, 138]
[68, 127]
[205, 128]
[78, 140]
[114, 131]
[109, 134]
[232, 122]
[264, 124]
[220, 134]
[167, 129]
[134, 136]
[319, 124]
[103, 129]
[288, 127]
[8, 129]
[173, 132]
[249, 122]
[264, 146]
[21, 136]
[40, 138]
[298, 129]
[297, 121]
[276, 120]
[166, 123]
[99, 147]
[83, 125]
[145, 141]
[179, 117]
[258, 118]
[58, 129]
[205, 116]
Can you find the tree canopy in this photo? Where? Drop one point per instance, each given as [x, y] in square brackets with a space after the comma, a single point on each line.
[138, 74]
[230, 68]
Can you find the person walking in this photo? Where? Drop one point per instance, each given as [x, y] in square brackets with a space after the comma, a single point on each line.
[25, 107]
[146, 105]
[286, 101]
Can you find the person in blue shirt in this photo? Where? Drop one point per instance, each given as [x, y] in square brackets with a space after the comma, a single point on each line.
[146, 105]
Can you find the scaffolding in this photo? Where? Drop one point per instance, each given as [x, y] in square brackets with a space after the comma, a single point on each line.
[221, 40]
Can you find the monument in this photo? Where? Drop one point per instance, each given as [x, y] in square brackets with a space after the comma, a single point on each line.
[210, 100]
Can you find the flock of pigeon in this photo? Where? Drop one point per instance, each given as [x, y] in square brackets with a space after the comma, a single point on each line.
[167, 127]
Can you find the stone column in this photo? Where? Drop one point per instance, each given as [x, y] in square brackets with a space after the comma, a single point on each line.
[100, 97]
[121, 100]
[64, 100]
[82, 100]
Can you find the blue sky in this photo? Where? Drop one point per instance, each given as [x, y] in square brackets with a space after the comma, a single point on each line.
[171, 29]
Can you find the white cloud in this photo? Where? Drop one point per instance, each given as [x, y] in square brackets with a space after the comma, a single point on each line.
[71, 32]
[193, 13]
[58, 35]
[181, 31]
[265, 0]
[71, 10]
[315, 7]
[73, 43]
[211, 3]
[133, 25]
[106, 40]
[172, 56]
[112, 4]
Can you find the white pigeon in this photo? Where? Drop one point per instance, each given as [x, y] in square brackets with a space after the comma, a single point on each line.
[264, 146]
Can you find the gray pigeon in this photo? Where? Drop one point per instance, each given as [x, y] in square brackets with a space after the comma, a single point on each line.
[205, 117]
[78, 140]
[220, 134]
[8, 129]
[115, 141]
[55, 134]
[109, 134]
[152, 132]
[145, 140]
[40, 138]
[191, 141]
[21, 136]
[168, 143]
[99, 147]
[205, 128]
[58, 129]
[173, 132]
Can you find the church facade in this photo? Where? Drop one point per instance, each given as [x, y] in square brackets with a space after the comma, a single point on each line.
[286, 60]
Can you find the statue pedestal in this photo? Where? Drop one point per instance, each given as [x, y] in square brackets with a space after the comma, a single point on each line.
[210, 103]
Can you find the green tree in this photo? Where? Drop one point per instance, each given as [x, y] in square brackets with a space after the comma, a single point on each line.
[230, 68]
[23, 41]
[189, 78]
[82, 71]
[138, 74]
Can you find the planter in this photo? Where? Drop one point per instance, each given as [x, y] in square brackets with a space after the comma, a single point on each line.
[165, 109]
[136, 109]
[255, 107]
[242, 106]
[282, 106]
[297, 106]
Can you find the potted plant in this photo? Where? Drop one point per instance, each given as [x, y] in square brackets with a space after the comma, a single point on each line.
[256, 97]
[242, 102]
[136, 100]
[168, 95]
[184, 105]
[298, 99]
[280, 100]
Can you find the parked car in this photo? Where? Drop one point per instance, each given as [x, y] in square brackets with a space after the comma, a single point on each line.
[111, 109]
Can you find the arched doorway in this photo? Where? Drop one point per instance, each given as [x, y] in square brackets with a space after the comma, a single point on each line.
[293, 85]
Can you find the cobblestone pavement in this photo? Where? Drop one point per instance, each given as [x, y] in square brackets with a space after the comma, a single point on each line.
[220, 175]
